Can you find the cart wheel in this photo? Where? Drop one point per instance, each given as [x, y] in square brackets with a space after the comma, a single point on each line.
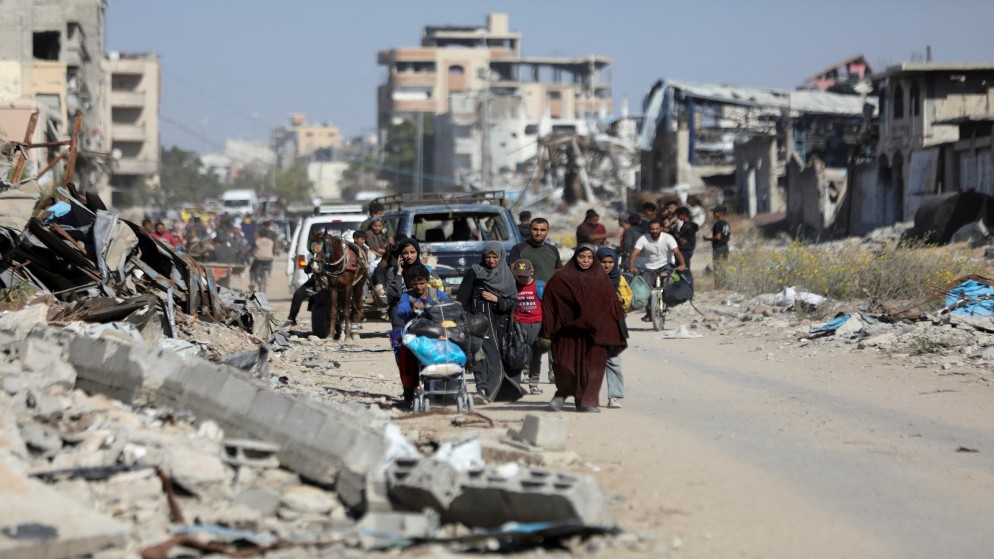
[425, 406]
[470, 404]
[416, 405]
[460, 404]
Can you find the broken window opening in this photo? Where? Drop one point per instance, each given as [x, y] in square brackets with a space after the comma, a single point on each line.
[46, 45]
[898, 105]
[456, 70]
[915, 100]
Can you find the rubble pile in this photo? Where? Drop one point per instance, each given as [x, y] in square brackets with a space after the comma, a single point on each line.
[110, 269]
[161, 452]
[941, 339]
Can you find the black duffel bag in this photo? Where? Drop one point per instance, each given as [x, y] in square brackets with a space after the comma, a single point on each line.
[677, 289]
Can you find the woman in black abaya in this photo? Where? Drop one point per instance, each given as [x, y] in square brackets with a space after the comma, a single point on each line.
[488, 290]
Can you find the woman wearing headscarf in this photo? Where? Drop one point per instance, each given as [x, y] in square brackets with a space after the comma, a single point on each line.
[488, 289]
[408, 255]
[615, 380]
[582, 319]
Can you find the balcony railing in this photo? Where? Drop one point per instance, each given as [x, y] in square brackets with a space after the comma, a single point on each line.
[128, 132]
[135, 167]
[127, 99]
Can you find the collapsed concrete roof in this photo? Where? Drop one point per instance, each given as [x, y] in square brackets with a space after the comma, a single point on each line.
[659, 101]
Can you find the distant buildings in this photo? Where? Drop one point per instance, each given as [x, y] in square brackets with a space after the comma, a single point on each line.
[489, 96]
[133, 108]
[51, 55]
[52, 60]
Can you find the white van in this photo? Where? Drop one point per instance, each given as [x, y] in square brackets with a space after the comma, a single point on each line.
[342, 220]
[240, 202]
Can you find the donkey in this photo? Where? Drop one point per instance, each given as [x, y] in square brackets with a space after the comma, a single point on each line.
[340, 268]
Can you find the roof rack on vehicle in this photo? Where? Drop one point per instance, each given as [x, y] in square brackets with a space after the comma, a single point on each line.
[397, 201]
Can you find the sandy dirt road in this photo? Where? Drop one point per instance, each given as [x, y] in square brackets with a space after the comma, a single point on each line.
[747, 444]
[730, 454]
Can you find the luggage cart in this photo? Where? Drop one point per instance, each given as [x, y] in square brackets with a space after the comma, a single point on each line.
[442, 384]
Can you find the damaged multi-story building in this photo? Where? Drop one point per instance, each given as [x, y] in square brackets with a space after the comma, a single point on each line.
[491, 95]
[934, 137]
[51, 59]
[744, 140]
[133, 113]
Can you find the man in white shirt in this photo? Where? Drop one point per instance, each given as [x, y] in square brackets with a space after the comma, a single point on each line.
[661, 253]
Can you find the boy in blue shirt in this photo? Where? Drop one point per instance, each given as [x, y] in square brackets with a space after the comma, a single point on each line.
[410, 303]
[419, 294]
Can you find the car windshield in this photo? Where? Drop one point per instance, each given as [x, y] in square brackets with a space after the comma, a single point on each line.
[237, 203]
[462, 226]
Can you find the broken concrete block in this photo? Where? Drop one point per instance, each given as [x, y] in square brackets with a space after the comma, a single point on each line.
[250, 453]
[39, 521]
[197, 471]
[24, 320]
[43, 363]
[40, 438]
[489, 497]
[547, 431]
[308, 499]
[384, 529]
[260, 500]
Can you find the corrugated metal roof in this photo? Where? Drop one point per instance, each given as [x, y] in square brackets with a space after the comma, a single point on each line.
[804, 101]
[666, 92]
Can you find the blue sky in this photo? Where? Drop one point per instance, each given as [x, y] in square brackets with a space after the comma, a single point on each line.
[237, 68]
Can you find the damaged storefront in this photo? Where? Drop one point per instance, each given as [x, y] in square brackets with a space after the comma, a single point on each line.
[741, 140]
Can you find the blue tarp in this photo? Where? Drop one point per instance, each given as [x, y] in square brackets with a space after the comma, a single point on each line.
[831, 325]
[975, 298]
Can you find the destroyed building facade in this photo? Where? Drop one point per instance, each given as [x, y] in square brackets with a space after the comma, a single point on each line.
[741, 139]
[52, 55]
[492, 97]
[52, 61]
[936, 122]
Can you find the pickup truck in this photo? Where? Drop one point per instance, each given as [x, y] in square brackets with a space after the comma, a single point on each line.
[452, 228]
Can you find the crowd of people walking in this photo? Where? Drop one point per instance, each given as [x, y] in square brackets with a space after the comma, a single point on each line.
[571, 316]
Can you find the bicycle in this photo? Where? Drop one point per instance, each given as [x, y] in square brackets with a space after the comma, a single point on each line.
[657, 305]
[259, 275]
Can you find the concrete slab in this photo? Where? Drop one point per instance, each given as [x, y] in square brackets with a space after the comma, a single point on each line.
[38, 521]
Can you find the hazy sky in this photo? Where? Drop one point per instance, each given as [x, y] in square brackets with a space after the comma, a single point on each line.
[237, 68]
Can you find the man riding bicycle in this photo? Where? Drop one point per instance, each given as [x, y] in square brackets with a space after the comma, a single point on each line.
[661, 254]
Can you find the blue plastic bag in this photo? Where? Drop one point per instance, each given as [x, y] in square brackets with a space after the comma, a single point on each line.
[431, 351]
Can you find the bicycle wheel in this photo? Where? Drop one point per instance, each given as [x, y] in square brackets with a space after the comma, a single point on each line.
[263, 281]
[657, 309]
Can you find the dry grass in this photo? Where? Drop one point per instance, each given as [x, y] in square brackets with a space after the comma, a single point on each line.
[849, 271]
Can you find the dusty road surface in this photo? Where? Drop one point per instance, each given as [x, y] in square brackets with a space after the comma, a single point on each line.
[747, 442]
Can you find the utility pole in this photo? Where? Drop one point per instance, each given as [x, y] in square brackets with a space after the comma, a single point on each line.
[485, 165]
[419, 156]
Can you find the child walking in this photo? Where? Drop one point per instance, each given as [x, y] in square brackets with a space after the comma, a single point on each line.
[528, 313]
[615, 381]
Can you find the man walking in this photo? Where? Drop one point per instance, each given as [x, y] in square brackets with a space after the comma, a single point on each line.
[544, 258]
[720, 233]
[661, 253]
[524, 223]
[685, 232]
[590, 231]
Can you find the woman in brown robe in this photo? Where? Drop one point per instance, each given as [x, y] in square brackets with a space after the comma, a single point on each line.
[581, 316]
